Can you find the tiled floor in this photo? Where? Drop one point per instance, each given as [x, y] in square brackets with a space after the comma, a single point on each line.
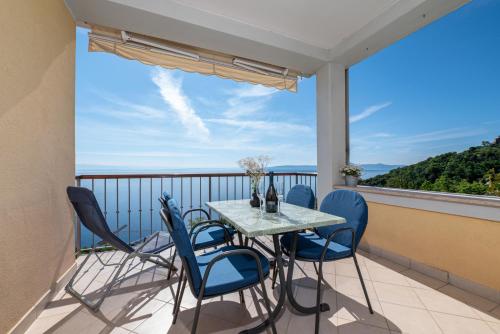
[404, 301]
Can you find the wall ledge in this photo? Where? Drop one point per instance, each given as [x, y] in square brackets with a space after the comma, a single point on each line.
[446, 277]
[482, 207]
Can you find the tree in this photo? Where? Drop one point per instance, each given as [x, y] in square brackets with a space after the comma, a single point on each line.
[473, 171]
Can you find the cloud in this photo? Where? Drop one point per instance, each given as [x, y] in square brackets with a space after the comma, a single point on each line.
[250, 90]
[382, 135]
[171, 91]
[447, 134]
[368, 112]
[248, 100]
[124, 109]
[131, 111]
[278, 127]
[145, 154]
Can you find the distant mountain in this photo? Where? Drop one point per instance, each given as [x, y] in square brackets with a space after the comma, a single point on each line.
[369, 170]
[293, 168]
[474, 171]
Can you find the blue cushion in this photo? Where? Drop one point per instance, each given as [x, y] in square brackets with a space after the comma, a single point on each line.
[349, 205]
[301, 195]
[310, 246]
[211, 237]
[231, 273]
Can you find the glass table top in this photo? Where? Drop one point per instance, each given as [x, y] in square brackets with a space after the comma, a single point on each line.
[252, 223]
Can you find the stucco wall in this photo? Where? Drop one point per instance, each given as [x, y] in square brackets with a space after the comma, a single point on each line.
[36, 151]
[467, 247]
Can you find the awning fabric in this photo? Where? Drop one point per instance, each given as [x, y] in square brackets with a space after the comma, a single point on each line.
[210, 62]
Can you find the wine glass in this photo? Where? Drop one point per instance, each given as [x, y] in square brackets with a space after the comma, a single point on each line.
[261, 189]
[280, 188]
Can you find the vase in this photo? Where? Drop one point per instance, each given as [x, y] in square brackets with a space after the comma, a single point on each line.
[351, 181]
[255, 201]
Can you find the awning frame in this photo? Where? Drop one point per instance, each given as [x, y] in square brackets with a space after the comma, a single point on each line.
[131, 40]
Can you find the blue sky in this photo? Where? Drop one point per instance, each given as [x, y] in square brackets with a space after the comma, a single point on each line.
[432, 92]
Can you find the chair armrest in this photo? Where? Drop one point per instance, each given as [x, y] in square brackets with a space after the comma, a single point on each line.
[201, 226]
[162, 202]
[226, 254]
[330, 238]
[196, 210]
[102, 242]
[120, 229]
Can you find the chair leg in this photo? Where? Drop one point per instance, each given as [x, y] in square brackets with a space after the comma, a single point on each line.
[170, 269]
[362, 283]
[94, 306]
[179, 300]
[268, 305]
[275, 275]
[318, 297]
[315, 268]
[196, 314]
[176, 297]
[242, 297]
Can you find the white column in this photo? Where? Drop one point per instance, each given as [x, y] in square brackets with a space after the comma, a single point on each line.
[332, 129]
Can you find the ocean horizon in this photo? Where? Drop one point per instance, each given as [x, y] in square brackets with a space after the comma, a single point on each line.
[369, 170]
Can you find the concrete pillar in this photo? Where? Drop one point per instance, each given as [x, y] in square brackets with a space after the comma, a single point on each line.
[332, 126]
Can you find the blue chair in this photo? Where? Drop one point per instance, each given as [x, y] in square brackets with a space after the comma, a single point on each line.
[335, 242]
[300, 195]
[205, 234]
[222, 271]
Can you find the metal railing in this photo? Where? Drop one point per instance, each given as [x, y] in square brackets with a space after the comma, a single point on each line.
[131, 199]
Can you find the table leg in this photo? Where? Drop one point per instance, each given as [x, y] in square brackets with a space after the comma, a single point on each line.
[282, 294]
[303, 309]
[240, 238]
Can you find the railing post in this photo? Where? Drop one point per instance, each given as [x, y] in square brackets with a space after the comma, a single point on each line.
[210, 193]
[78, 228]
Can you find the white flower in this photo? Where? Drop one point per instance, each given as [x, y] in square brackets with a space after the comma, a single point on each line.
[351, 170]
[255, 167]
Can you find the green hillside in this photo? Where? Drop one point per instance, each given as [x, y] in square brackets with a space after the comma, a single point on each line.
[474, 171]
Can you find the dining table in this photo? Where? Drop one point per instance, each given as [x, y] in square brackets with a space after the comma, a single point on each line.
[251, 223]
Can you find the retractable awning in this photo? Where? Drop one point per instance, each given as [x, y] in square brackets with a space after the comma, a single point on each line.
[168, 54]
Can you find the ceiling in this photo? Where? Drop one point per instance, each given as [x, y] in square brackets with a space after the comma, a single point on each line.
[321, 23]
[298, 34]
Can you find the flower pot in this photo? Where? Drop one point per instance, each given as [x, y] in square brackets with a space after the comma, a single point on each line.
[351, 181]
[255, 201]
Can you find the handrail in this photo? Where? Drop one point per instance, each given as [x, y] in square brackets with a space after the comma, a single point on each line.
[179, 175]
[131, 198]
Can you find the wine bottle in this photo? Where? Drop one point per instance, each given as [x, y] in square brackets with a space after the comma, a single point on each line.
[271, 196]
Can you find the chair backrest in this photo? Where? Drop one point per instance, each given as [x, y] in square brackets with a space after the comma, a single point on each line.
[87, 209]
[164, 199]
[349, 205]
[177, 229]
[301, 195]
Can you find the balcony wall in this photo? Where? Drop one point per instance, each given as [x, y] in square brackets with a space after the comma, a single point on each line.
[36, 152]
[456, 247]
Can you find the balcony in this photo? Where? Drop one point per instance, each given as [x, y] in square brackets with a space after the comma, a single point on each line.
[405, 299]
[430, 261]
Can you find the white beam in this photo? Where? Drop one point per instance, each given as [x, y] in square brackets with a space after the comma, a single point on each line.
[332, 136]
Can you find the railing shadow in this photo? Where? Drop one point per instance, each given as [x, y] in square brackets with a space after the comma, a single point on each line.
[124, 305]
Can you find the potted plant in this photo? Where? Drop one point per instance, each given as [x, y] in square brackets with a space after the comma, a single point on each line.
[351, 174]
[255, 168]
